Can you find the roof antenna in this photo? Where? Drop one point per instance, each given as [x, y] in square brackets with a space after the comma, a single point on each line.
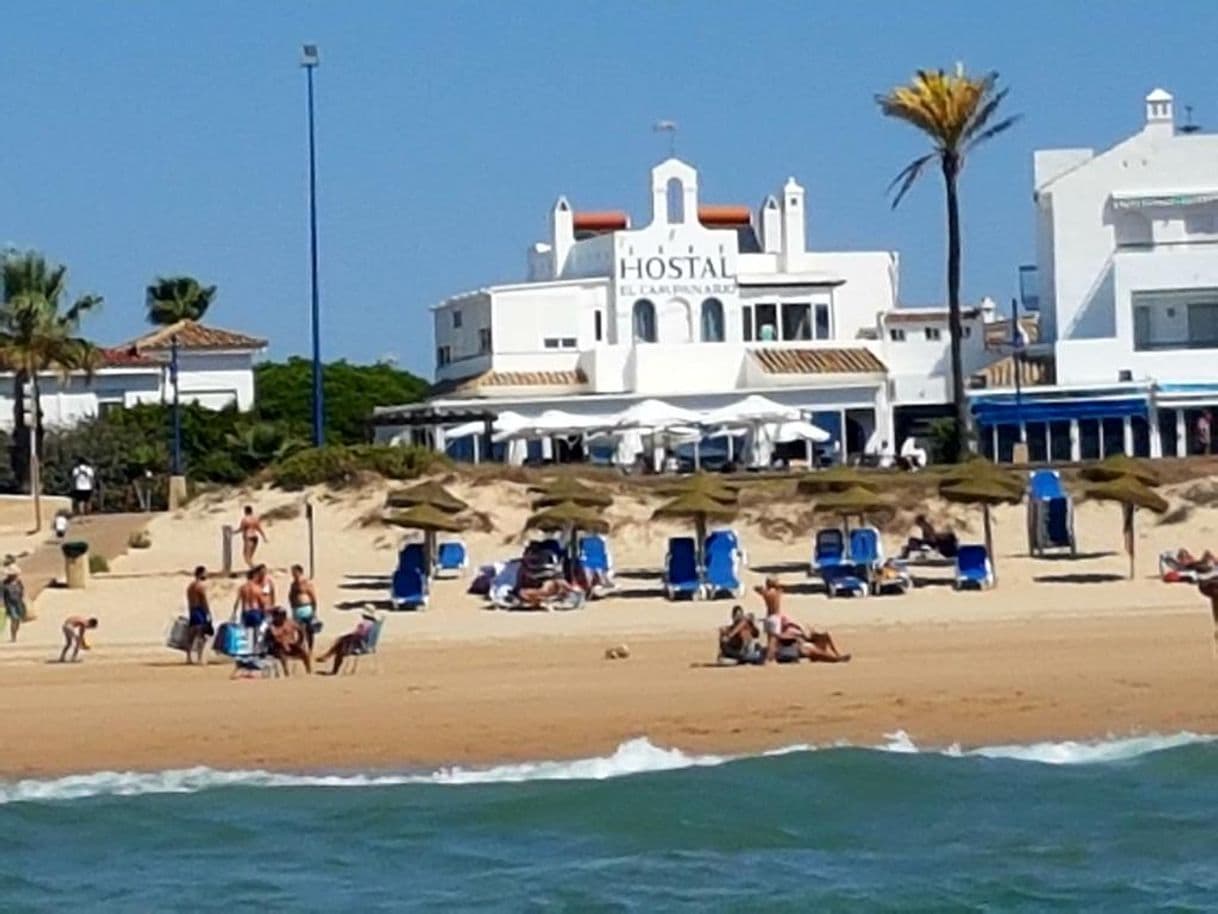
[669, 127]
[1189, 126]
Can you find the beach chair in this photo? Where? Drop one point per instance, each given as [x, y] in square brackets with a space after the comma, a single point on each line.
[409, 588]
[722, 569]
[973, 568]
[1172, 572]
[595, 557]
[1050, 514]
[732, 538]
[681, 572]
[452, 558]
[866, 551]
[368, 648]
[844, 579]
[828, 548]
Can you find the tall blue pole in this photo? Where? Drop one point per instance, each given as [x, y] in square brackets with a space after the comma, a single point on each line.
[310, 63]
[177, 413]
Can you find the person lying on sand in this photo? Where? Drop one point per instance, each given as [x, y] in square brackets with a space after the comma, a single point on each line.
[928, 538]
[354, 642]
[738, 639]
[786, 640]
[74, 628]
[285, 640]
[553, 589]
[1186, 561]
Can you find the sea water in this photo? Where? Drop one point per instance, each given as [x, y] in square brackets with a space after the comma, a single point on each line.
[1120, 825]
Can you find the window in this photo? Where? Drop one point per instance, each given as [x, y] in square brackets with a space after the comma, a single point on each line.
[767, 322]
[796, 321]
[965, 332]
[644, 321]
[712, 321]
[456, 318]
[896, 334]
[567, 342]
[444, 355]
[484, 340]
[675, 193]
[108, 407]
[823, 329]
[933, 334]
[559, 342]
[1175, 320]
[746, 314]
[598, 326]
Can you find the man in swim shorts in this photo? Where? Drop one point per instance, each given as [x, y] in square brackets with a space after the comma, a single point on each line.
[786, 640]
[199, 616]
[302, 597]
[285, 640]
[74, 629]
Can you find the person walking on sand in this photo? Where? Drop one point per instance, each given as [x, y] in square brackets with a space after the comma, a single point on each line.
[74, 640]
[198, 616]
[14, 599]
[786, 640]
[83, 478]
[250, 528]
[302, 597]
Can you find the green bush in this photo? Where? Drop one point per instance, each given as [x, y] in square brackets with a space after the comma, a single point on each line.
[340, 466]
[98, 564]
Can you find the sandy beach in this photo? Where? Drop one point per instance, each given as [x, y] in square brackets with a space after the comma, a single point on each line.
[1061, 649]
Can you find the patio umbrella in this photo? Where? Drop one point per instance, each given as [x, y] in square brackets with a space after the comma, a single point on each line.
[425, 493]
[703, 484]
[1132, 494]
[987, 488]
[981, 469]
[702, 509]
[837, 479]
[855, 501]
[567, 488]
[429, 519]
[1117, 466]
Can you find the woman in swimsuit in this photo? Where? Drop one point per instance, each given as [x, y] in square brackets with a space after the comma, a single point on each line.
[250, 528]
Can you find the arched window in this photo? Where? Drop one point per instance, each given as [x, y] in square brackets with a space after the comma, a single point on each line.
[675, 191]
[712, 321]
[644, 321]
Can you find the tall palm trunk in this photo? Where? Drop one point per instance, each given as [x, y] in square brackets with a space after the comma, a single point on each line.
[951, 171]
[19, 453]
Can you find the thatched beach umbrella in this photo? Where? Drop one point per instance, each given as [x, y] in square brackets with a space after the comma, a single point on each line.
[430, 520]
[566, 488]
[1118, 466]
[572, 519]
[986, 489]
[702, 509]
[838, 479]
[855, 501]
[702, 484]
[1132, 494]
[978, 469]
[425, 493]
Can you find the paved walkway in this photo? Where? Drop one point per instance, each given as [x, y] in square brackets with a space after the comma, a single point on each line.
[106, 534]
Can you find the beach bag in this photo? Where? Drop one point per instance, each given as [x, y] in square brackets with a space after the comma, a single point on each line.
[228, 640]
[179, 634]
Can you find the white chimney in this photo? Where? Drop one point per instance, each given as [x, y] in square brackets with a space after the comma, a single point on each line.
[1160, 115]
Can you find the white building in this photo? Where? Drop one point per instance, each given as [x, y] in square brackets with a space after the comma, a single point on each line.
[215, 369]
[698, 306]
[1127, 260]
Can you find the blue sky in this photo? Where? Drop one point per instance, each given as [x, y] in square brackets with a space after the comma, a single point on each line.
[145, 137]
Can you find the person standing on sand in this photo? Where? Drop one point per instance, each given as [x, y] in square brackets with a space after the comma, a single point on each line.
[74, 628]
[302, 597]
[83, 478]
[199, 616]
[786, 640]
[14, 599]
[250, 528]
[251, 604]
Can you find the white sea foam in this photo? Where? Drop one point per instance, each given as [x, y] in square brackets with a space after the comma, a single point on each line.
[637, 756]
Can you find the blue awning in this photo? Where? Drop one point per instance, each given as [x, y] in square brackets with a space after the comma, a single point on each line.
[1005, 411]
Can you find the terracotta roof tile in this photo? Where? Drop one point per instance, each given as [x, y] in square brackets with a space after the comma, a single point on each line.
[475, 383]
[126, 357]
[921, 315]
[1034, 371]
[999, 332]
[193, 335]
[818, 361]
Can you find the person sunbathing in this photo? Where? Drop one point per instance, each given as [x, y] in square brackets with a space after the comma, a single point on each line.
[552, 590]
[786, 640]
[738, 639]
[1186, 561]
[285, 640]
[354, 642]
[945, 543]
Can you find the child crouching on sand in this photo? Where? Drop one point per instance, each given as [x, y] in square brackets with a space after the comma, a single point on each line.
[74, 628]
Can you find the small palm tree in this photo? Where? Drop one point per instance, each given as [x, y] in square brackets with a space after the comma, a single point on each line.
[956, 111]
[37, 337]
[171, 299]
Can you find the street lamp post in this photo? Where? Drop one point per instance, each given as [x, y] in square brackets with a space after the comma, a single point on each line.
[309, 60]
[177, 412]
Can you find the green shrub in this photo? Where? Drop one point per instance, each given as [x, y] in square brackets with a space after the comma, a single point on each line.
[340, 466]
[98, 564]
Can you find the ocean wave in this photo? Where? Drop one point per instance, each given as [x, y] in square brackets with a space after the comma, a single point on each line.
[636, 756]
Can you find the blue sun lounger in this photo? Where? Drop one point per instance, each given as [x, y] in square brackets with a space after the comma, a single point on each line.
[828, 548]
[1050, 514]
[722, 567]
[451, 559]
[973, 568]
[681, 572]
[409, 588]
[844, 579]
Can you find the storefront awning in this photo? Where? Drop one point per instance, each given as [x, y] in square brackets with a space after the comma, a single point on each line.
[1004, 410]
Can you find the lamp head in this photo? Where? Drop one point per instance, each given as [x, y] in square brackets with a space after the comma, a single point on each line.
[309, 56]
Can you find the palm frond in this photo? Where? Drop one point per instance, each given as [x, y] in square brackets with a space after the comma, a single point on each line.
[909, 174]
[992, 132]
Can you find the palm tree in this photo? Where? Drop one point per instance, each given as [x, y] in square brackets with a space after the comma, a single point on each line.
[172, 299]
[37, 337]
[955, 111]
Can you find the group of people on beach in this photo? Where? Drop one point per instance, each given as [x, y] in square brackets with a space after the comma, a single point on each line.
[786, 641]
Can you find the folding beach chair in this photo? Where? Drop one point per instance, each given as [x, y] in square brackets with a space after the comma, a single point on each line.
[973, 568]
[732, 538]
[368, 647]
[828, 548]
[451, 559]
[681, 577]
[594, 555]
[409, 588]
[722, 568]
[1050, 514]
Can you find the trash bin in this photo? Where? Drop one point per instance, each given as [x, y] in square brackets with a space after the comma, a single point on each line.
[76, 565]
